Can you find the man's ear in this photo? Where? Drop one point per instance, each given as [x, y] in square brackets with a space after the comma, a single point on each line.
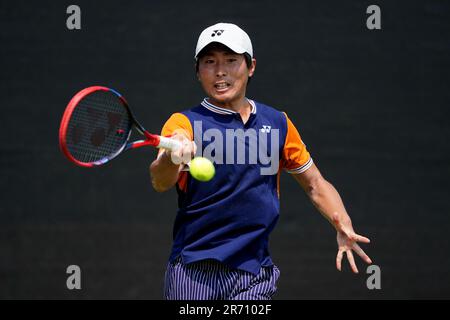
[251, 71]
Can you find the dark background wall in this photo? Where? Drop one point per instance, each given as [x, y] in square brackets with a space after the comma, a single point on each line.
[372, 106]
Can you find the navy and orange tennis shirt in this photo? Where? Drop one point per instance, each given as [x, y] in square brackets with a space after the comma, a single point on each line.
[230, 217]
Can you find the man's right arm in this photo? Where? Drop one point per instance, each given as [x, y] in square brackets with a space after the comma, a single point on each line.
[165, 170]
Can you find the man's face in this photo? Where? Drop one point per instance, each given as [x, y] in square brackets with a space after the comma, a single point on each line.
[224, 75]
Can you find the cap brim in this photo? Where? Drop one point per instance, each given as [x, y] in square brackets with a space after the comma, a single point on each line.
[234, 48]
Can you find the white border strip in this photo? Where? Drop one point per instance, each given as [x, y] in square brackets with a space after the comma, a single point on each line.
[220, 110]
[253, 104]
[303, 168]
[216, 109]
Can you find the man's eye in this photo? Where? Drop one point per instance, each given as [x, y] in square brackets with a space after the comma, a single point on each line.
[232, 60]
[209, 61]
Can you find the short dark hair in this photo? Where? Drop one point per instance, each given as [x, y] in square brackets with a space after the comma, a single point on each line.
[219, 46]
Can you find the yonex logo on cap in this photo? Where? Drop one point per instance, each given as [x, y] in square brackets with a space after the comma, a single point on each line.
[217, 32]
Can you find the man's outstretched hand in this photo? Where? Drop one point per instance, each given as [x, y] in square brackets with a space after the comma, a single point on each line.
[347, 242]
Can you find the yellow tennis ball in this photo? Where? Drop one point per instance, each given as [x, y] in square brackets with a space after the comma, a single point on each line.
[202, 169]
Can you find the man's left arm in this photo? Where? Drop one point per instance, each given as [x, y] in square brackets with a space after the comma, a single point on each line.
[329, 203]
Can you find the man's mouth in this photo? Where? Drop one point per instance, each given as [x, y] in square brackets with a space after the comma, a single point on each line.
[221, 86]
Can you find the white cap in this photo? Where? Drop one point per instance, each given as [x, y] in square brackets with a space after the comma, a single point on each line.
[227, 34]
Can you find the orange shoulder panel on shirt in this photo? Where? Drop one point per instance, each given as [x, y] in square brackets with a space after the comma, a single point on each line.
[296, 158]
[178, 122]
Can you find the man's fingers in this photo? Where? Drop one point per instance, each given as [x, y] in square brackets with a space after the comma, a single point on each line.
[190, 149]
[361, 253]
[351, 260]
[339, 259]
[185, 153]
[360, 238]
[195, 148]
[176, 160]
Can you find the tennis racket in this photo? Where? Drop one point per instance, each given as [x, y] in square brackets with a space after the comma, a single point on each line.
[97, 125]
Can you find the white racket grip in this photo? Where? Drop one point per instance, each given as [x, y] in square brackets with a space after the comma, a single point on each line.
[168, 143]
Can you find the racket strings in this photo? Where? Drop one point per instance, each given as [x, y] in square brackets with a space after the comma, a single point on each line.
[98, 128]
[98, 145]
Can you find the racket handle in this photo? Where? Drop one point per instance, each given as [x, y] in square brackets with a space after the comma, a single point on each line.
[168, 143]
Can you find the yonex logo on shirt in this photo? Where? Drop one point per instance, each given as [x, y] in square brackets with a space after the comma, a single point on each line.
[265, 129]
[217, 32]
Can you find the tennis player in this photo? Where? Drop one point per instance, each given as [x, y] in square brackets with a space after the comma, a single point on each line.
[220, 248]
